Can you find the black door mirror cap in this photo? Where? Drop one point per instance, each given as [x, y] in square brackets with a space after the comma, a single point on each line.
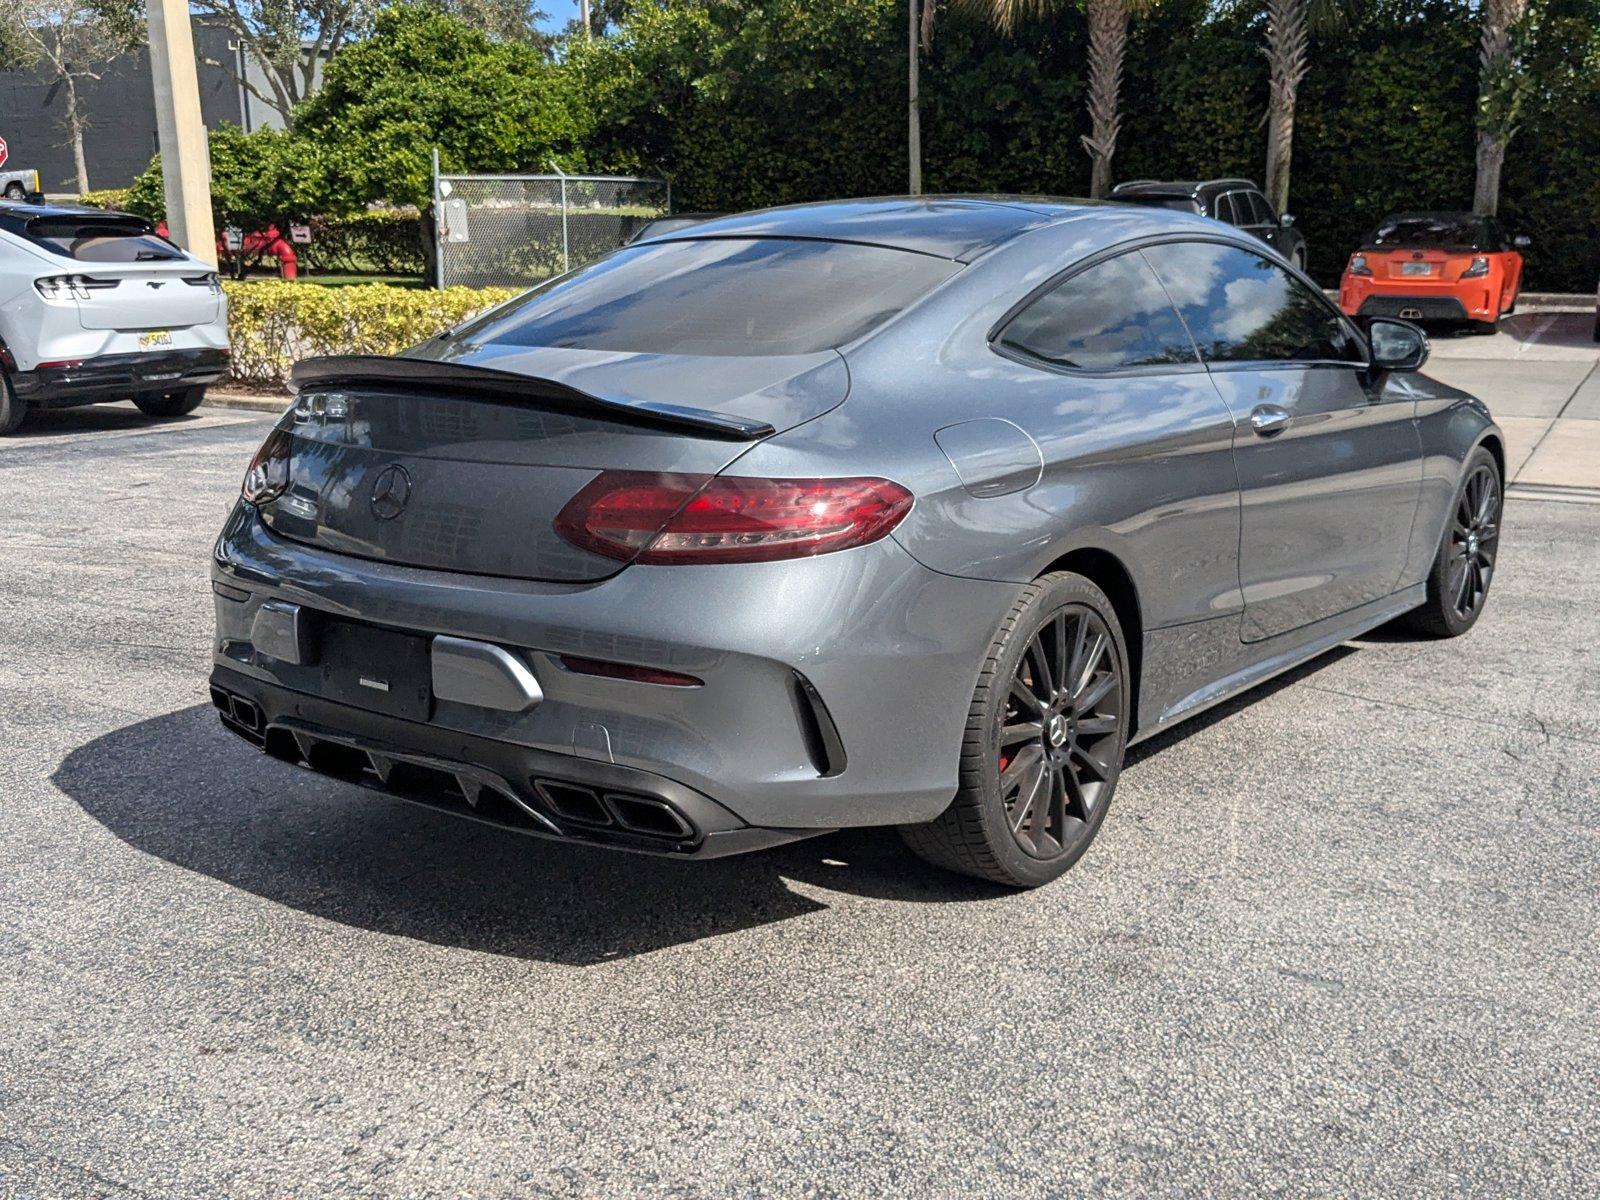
[1397, 345]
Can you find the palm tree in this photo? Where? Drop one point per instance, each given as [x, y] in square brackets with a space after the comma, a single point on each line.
[1502, 83]
[1288, 51]
[1108, 43]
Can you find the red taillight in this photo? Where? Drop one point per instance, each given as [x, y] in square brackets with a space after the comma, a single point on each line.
[269, 469]
[669, 518]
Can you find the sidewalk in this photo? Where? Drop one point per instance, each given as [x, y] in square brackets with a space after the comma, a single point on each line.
[1540, 376]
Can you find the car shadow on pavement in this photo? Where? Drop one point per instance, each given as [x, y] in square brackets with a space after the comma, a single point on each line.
[93, 418]
[181, 788]
[1202, 721]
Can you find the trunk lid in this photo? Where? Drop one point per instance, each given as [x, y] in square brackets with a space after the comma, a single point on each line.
[433, 463]
[146, 296]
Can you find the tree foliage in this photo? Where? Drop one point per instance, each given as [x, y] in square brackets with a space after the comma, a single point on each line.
[425, 79]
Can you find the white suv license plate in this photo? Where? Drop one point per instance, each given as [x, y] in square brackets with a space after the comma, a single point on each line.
[156, 339]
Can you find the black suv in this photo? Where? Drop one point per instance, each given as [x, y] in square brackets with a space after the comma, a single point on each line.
[1235, 201]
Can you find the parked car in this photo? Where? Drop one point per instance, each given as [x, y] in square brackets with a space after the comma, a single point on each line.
[96, 306]
[1436, 266]
[1236, 202]
[907, 512]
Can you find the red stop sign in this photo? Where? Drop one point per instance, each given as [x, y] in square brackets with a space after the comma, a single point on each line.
[4, 153]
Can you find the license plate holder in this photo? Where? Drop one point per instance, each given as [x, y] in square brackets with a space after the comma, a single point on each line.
[380, 670]
[1416, 268]
[156, 339]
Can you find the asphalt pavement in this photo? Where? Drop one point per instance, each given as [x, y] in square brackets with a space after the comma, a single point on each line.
[1338, 938]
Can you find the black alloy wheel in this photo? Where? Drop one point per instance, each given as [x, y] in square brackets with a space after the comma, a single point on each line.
[1059, 737]
[1474, 535]
[1464, 565]
[1044, 740]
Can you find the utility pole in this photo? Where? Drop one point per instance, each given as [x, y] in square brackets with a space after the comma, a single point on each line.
[583, 16]
[185, 157]
[914, 116]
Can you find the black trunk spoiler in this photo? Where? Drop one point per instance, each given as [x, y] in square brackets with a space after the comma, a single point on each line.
[508, 387]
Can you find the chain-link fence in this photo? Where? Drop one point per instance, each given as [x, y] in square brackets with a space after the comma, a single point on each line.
[517, 229]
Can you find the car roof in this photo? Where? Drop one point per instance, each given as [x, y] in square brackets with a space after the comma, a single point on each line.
[20, 208]
[954, 227]
[1176, 187]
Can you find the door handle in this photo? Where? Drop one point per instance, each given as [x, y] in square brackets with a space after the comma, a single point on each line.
[1268, 420]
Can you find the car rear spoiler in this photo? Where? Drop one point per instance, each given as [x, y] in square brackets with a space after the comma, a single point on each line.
[508, 387]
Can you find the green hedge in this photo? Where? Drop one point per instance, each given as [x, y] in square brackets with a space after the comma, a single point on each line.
[272, 324]
[111, 198]
[390, 241]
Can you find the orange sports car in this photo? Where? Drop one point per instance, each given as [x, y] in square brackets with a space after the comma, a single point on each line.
[1435, 266]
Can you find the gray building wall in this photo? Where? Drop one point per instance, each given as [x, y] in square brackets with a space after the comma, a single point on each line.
[120, 107]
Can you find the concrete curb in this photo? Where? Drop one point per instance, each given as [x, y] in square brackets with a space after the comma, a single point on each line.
[247, 401]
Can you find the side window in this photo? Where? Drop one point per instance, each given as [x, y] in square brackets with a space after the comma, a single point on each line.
[1242, 308]
[1263, 211]
[1222, 209]
[1115, 314]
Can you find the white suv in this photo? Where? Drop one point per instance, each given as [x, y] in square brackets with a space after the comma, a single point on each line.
[99, 306]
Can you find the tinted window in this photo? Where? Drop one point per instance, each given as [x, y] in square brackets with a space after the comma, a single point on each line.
[100, 239]
[1242, 308]
[1222, 209]
[1113, 315]
[719, 296]
[1435, 231]
[1261, 209]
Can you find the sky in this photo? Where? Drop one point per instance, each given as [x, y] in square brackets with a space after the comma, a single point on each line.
[557, 14]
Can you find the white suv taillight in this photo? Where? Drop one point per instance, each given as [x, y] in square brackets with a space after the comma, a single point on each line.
[71, 287]
[209, 280]
[647, 517]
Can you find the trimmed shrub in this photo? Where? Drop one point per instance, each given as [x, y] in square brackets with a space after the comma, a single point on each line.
[273, 324]
[385, 240]
[115, 199]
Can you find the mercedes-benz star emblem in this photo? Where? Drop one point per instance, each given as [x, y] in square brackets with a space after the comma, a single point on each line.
[391, 491]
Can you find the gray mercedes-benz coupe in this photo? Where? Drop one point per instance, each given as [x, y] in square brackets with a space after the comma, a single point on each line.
[909, 512]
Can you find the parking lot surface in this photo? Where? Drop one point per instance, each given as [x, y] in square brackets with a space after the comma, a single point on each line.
[1337, 938]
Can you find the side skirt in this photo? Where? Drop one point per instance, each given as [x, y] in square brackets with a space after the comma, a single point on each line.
[1287, 651]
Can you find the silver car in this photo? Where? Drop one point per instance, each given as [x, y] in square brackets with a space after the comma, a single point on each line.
[909, 512]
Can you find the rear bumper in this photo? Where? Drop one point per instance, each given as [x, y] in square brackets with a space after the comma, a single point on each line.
[1459, 300]
[867, 641]
[512, 787]
[118, 376]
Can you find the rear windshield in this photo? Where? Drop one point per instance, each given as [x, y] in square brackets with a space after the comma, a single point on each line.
[719, 296]
[1175, 203]
[1435, 231]
[100, 239]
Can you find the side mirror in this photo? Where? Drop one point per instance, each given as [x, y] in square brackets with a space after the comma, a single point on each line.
[1522, 241]
[1286, 220]
[1397, 345]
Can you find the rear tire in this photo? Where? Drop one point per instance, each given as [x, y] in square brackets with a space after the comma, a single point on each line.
[12, 410]
[1458, 584]
[15, 191]
[1486, 328]
[1039, 758]
[172, 404]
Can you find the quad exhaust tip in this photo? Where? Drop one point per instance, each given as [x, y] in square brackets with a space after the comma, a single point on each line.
[576, 804]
